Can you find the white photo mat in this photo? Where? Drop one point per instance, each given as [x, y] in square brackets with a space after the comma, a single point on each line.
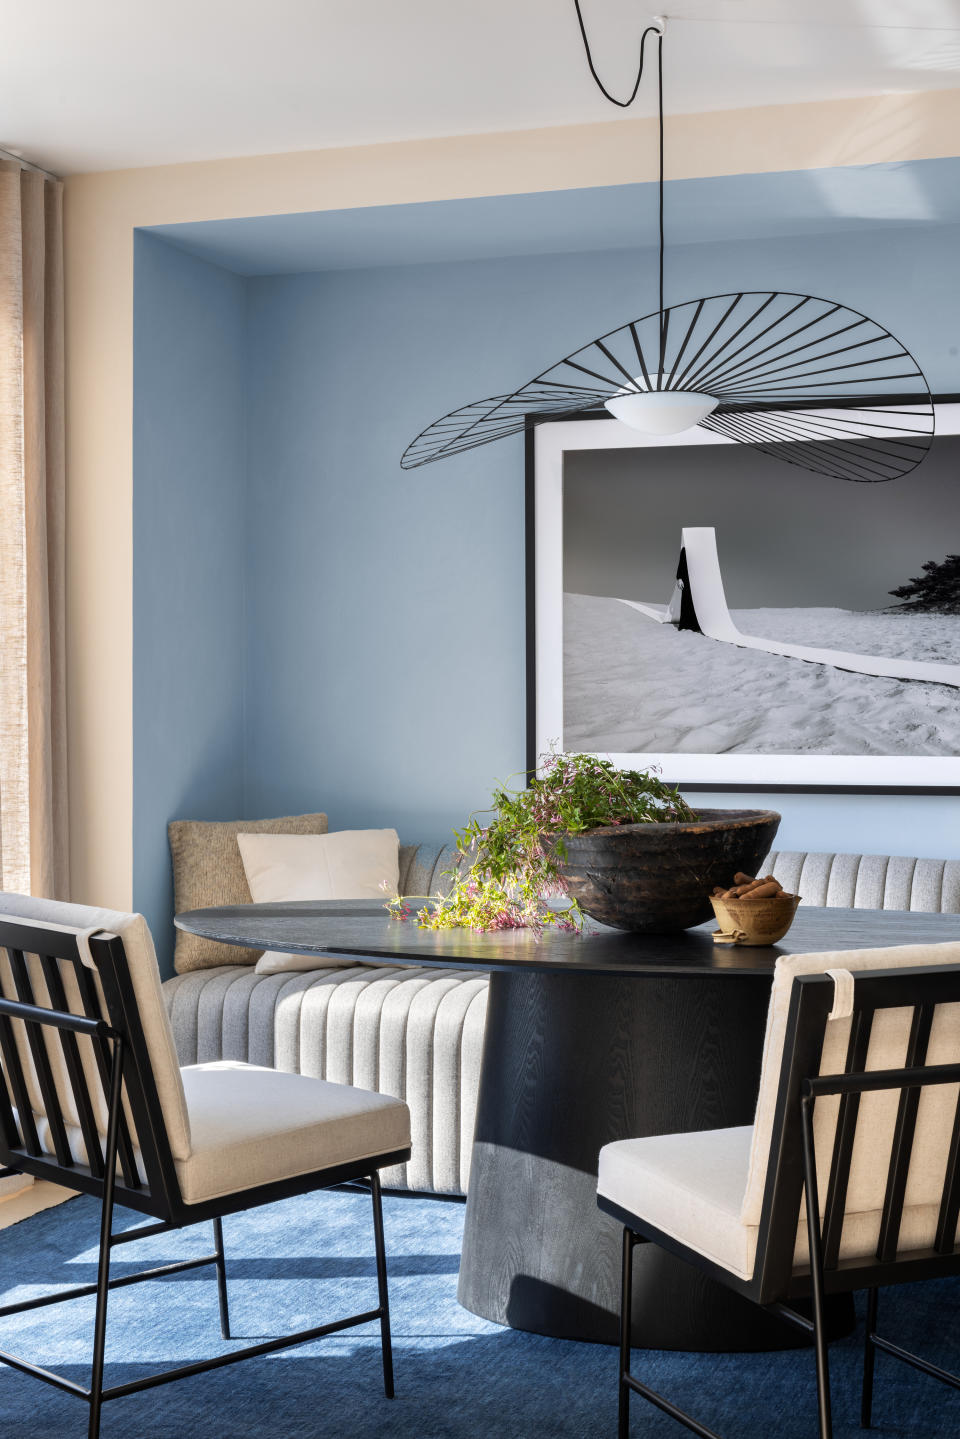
[727, 771]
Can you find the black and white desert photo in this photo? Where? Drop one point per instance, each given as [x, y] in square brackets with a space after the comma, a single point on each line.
[719, 601]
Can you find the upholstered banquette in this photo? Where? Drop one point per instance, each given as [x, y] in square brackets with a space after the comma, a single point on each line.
[417, 1034]
[411, 1031]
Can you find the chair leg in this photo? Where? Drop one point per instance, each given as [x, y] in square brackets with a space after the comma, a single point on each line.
[221, 1278]
[100, 1321]
[106, 1239]
[823, 1370]
[626, 1323]
[816, 1269]
[385, 1344]
[869, 1359]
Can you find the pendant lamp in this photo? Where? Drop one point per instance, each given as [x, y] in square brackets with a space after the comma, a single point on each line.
[806, 380]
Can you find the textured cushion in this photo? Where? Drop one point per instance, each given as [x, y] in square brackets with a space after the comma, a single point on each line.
[691, 1186]
[412, 1032]
[208, 870]
[252, 1126]
[145, 978]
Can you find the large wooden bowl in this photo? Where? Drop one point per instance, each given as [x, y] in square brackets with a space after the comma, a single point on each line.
[657, 878]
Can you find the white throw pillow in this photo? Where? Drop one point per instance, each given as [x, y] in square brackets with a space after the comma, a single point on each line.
[274, 961]
[348, 864]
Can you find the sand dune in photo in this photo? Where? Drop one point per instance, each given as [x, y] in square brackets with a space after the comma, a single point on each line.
[632, 685]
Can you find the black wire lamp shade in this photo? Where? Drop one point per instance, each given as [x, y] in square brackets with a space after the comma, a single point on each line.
[805, 380]
[763, 368]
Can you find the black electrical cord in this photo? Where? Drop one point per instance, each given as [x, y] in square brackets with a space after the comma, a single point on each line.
[624, 104]
[650, 30]
[663, 325]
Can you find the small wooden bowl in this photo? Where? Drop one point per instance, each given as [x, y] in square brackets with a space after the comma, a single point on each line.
[754, 921]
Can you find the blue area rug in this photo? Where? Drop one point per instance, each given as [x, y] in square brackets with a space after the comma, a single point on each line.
[300, 1263]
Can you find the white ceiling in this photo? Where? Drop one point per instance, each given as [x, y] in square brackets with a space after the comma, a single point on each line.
[107, 84]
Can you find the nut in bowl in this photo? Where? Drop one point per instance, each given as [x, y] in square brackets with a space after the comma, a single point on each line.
[753, 911]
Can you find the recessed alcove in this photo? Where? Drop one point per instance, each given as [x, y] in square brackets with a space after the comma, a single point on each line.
[315, 628]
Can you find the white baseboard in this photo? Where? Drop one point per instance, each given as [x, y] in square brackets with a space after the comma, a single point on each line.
[31, 1200]
[14, 1184]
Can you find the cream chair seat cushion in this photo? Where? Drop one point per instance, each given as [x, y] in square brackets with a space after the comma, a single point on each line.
[692, 1187]
[253, 1126]
[250, 1126]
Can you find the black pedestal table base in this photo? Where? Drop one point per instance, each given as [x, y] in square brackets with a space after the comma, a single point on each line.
[571, 1062]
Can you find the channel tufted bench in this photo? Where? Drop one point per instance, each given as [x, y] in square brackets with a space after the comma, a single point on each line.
[869, 881]
[417, 1034]
[407, 1031]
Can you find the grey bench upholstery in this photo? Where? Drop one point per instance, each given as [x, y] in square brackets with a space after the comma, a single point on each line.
[869, 881]
[417, 1034]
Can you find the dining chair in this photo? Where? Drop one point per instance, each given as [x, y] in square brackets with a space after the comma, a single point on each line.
[849, 1177]
[92, 1098]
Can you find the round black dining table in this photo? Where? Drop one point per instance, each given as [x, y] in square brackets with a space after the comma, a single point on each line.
[590, 1039]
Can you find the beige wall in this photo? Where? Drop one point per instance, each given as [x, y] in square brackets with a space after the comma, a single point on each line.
[102, 212]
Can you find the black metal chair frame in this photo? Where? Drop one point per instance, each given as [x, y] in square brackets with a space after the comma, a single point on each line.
[792, 1175]
[111, 1174]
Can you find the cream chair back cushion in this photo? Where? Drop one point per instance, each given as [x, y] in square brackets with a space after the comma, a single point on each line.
[877, 1111]
[145, 980]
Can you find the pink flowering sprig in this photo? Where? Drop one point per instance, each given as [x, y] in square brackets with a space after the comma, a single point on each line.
[399, 906]
[486, 906]
[509, 869]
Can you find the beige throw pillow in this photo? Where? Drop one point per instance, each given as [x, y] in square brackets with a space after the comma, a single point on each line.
[208, 870]
[359, 864]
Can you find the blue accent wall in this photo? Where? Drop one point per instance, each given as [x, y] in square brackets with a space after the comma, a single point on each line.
[388, 607]
[189, 562]
[315, 628]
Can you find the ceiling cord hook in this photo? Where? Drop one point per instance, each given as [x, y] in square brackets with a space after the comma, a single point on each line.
[655, 29]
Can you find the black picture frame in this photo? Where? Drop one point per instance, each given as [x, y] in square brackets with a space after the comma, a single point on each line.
[533, 744]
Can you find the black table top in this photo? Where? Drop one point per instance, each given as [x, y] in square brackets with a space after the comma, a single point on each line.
[363, 930]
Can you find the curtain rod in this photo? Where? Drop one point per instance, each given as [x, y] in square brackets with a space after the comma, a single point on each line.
[28, 164]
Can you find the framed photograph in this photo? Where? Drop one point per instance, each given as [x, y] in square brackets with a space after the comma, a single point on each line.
[741, 622]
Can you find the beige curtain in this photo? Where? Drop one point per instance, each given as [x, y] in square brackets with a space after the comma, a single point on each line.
[33, 787]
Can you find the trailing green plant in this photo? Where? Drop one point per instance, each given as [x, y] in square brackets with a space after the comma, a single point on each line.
[509, 875]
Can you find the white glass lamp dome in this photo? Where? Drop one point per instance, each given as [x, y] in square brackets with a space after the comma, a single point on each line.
[660, 411]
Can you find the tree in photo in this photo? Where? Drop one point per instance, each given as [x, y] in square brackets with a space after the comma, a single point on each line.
[935, 592]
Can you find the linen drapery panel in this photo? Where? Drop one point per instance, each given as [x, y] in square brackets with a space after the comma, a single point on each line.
[33, 788]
